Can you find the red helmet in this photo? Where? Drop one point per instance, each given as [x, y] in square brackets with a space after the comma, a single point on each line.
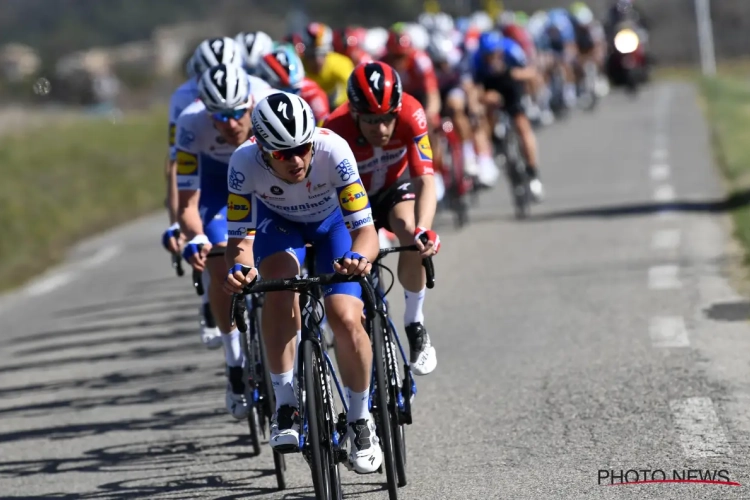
[374, 88]
[295, 39]
[346, 39]
[399, 42]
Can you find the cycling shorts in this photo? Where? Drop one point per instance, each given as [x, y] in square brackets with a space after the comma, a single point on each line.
[330, 237]
[511, 89]
[383, 201]
[213, 208]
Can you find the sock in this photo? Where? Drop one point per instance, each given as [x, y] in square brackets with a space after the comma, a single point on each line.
[358, 406]
[283, 389]
[469, 154]
[232, 348]
[413, 309]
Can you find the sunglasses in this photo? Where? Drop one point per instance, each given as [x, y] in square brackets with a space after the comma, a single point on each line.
[288, 154]
[225, 116]
[377, 119]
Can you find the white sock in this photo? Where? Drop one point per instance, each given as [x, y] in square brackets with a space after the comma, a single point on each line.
[358, 406]
[283, 389]
[470, 156]
[413, 309]
[232, 348]
[206, 279]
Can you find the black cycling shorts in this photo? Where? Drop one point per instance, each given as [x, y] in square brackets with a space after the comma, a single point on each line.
[383, 202]
[511, 89]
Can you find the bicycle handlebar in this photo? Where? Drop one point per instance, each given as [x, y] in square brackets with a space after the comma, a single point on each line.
[429, 267]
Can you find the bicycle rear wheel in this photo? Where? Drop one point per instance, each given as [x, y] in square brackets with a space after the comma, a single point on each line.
[253, 416]
[381, 413]
[315, 403]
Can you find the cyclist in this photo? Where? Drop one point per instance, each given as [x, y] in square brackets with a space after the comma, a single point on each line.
[300, 184]
[324, 66]
[590, 38]
[254, 46]
[283, 69]
[562, 40]
[208, 53]
[208, 131]
[349, 42]
[500, 69]
[387, 130]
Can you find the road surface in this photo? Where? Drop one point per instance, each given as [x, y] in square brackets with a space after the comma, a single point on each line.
[602, 335]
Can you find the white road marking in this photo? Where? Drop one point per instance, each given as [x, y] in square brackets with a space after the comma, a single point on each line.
[101, 257]
[659, 171]
[46, 285]
[666, 239]
[665, 277]
[668, 331]
[664, 193]
[699, 428]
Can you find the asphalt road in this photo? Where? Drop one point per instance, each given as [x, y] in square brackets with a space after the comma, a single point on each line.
[600, 335]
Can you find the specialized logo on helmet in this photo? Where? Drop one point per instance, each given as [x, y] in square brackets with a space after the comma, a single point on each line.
[217, 46]
[282, 109]
[219, 77]
[238, 207]
[375, 79]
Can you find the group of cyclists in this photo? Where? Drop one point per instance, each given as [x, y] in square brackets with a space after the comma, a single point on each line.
[325, 138]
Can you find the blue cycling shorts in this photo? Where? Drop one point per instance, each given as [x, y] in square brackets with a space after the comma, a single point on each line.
[213, 208]
[330, 238]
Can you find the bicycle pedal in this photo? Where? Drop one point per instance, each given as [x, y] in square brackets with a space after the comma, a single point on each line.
[340, 456]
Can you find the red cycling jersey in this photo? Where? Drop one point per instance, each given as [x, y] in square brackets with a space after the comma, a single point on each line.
[359, 56]
[316, 98]
[418, 76]
[522, 37]
[409, 146]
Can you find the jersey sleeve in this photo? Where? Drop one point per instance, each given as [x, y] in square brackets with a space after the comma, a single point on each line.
[175, 108]
[353, 200]
[241, 203]
[414, 133]
[514, 54]
[186, 154]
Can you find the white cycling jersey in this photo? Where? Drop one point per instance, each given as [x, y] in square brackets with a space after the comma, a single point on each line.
[332, 183]
[200, 150]
[181, 99]
[179, 103]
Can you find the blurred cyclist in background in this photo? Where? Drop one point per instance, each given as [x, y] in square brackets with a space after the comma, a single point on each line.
[254, 46]
[324, 66]
[349, 41]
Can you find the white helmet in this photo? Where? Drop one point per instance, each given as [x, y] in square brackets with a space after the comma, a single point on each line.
[215, 51]
[254, 46]
[283, 121]
[427, 20]
[225, 88]
[420, 37]
[584, 16]
[444, 23]
[375, 41]
[481, 21]
[442, 49]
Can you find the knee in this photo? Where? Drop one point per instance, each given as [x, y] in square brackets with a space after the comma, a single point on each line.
[404, 230]
[347, 326]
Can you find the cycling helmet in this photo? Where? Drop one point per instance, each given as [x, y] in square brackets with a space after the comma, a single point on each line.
[216, 51]
[427, 20]
[283, 121]
[584, 16]
[481, 21]
[375, 41]
[490, 42]
[522, 18]
[318, 38]
[444, 23]
[441, 49]
[254, 47]
[399, 41]
[346, 39]
[224, 88]
[506, 18]
[282, 69]
[374, 89]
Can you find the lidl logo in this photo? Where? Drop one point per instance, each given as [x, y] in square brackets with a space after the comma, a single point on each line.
[423, 147]
[238, 207]
[187, 163]
[353, 197]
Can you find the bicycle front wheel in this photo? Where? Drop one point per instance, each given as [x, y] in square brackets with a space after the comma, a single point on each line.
[382, 415]
[315, 406]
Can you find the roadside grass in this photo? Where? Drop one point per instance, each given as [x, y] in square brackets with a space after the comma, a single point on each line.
[73, 179]
[726, 102]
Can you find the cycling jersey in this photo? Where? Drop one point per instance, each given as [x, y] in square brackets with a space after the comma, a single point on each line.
[417, 75]
[359, 56]
[280, 216]
[409, 146]
[180, 102]
[560, 19]
[181, 99]
[202, 157]
[522, 37]
[333, 77]
[316, 98]
[511, 89]
[513, 56]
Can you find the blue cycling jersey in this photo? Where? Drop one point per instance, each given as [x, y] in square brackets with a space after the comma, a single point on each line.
[513, 56]
[560, 19]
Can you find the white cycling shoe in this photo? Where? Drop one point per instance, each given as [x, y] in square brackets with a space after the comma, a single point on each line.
[210, 335]
[365, 455]
[423, 359]
[537, 190]
[235, 399]
[285, 426]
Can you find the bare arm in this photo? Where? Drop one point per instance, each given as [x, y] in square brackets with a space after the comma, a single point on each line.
[426, 200]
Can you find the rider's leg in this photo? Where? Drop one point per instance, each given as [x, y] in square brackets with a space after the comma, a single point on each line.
[455, 104]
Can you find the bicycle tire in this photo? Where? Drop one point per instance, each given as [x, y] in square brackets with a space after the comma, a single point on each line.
[314, 402]
[384, 425]
[268, 404]
[253, 422]
[398, 428]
